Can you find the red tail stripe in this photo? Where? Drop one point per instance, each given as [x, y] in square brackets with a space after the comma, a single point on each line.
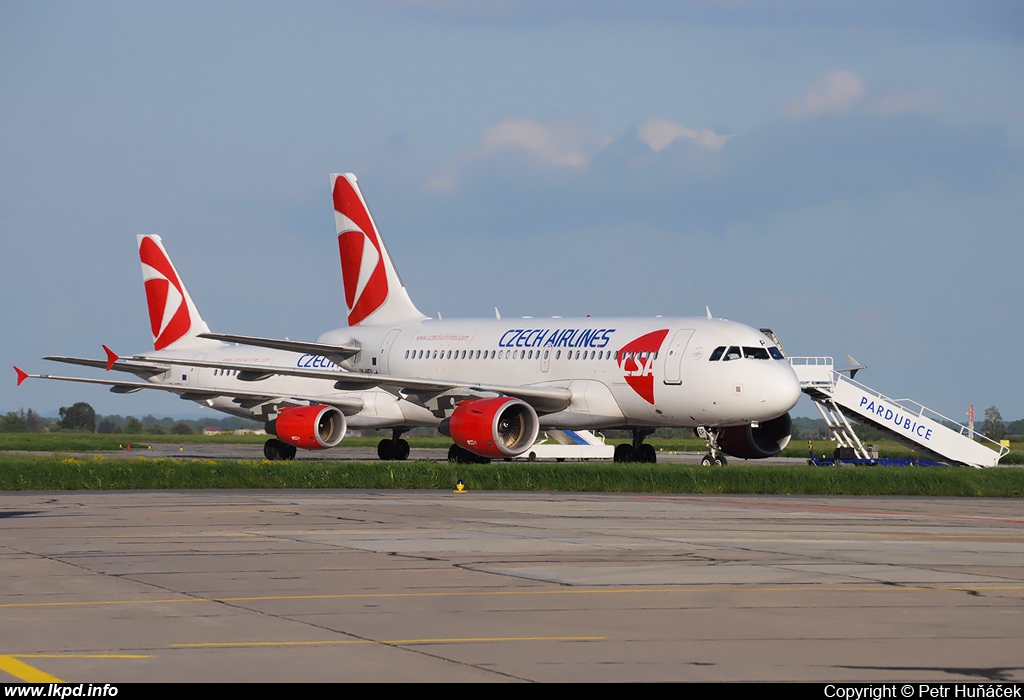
[350, 248]
[156, 296]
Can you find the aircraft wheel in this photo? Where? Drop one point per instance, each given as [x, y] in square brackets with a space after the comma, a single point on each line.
[721, 461]
[272, 449]
[624, 453]
[288, 451]
[386, 449]
[706, 461]
[401, 449]
[532, 457]
[648, 454]
[458, 455]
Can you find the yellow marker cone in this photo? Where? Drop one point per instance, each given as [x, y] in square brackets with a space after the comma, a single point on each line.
[460, 487]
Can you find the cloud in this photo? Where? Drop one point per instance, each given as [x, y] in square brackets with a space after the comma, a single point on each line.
[659, 133]
[835, 94]
[557, 144]
[897, 101]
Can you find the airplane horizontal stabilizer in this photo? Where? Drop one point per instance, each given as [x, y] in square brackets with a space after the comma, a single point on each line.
[333, 352]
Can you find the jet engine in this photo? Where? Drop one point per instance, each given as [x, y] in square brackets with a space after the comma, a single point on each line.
[768, 439]
[309, 427]
[496, 428]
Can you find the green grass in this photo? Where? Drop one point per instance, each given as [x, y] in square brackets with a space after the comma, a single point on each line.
[46, 472]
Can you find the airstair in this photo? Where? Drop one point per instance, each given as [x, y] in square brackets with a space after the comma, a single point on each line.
[839, 397]
[573, 445]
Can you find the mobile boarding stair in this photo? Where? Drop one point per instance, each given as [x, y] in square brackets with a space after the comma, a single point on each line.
[839, 397]
[573, 445]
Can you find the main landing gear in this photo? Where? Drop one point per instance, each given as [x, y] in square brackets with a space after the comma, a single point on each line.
[394, 449]
[639, 451]
[715, 456]
[460, 455]
[275, 449]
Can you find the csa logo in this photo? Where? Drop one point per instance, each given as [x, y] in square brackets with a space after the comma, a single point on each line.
[168, 312]
[362, 262]
[636, 360]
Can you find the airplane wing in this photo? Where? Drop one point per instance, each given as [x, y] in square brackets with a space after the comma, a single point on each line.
[332, 352]
[545, 399]
[347, 405]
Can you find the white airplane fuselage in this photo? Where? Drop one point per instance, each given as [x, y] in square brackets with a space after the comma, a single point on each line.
[380, 409]
[625, 372]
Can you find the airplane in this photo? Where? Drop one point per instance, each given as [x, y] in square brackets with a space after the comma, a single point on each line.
[493, 384]
[301, 412]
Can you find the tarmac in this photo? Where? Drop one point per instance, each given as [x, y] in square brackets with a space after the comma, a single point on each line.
[437, 586]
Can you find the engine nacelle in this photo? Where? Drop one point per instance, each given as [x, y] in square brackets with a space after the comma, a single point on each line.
[768, 439]
[496, 428]
[309, 427]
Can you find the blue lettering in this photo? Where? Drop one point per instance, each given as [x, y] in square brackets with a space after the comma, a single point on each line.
[504, 342]
[864, 400]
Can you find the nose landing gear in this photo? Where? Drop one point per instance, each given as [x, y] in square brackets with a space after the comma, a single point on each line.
[715, 456]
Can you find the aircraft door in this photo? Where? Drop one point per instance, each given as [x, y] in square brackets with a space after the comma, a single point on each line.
[193, 372]
[674, 356]
[385, 350]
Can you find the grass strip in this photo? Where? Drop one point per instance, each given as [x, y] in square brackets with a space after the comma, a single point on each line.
[49, 473]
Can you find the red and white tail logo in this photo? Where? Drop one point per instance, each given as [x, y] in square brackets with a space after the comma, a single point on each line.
[172, 315]
[362, 259]
[636, 360]
[372, 286]
[168, 311]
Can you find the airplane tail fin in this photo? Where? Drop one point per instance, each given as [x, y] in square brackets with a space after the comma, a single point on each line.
[174, 318]
[374, 293]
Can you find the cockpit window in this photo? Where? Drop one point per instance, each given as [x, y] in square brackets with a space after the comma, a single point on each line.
[732, 354]
[756, 353]
[717, 354]
[776, 353]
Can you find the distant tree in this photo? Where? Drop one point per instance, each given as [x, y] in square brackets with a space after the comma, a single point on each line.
[106, 426]
[14, 422]
[36, 423]
[182, 428]
[993, 426]
[80, 416]
[1015, 427]
[157, 429]
[134, 426]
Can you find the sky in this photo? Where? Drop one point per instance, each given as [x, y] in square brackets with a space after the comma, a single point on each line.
[849, 173]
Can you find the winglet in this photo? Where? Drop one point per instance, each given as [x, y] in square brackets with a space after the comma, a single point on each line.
[111, 357]
[22, 375]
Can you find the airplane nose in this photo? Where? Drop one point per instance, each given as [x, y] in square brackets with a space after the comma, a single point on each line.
[787, 389]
